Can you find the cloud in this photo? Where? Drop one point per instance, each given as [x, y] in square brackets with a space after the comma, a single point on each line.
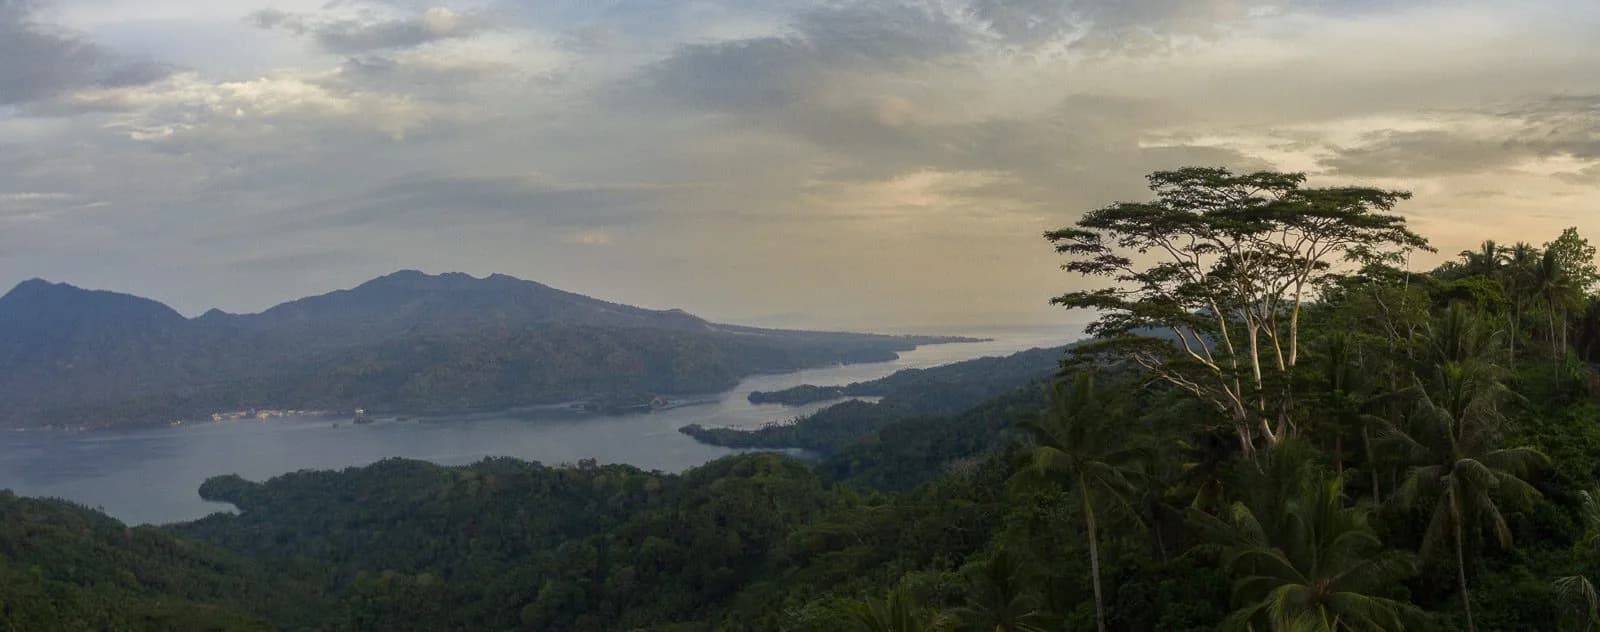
[791, 68]
[1412, 154]
[589, 238]
[433, 200]
[914, 147]
[1471, 142]
[185, 108]
[367, 34]
[40, 62]
[1115, 25]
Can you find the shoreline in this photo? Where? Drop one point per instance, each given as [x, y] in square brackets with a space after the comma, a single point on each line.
[423, 413]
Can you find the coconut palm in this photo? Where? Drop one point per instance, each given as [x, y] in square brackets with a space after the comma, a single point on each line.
[998, 600]
[1075, 446]
[1451, 441]
[1346, 391]
[1557, 292]
[1302, 560]
[898, 612]
[1580, 604]
[1579, 600]
[1486, 260]
[1521, 262]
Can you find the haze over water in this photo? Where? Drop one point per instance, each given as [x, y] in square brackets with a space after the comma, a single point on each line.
[153, 476]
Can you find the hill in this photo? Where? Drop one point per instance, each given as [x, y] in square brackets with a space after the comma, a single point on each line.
[939, 392]
[407, 341]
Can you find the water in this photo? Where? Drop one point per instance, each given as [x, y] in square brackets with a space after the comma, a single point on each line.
[153, 476]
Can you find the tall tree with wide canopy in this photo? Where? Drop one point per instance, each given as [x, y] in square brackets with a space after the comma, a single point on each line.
[1225, 263]
[1075, 445]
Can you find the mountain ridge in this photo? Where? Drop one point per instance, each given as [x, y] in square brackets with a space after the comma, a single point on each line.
[409, 339]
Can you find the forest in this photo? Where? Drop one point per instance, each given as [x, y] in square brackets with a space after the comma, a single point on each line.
[1278, 425]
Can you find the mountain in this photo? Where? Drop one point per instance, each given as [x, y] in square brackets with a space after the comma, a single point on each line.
[407, 341]
[409, 303]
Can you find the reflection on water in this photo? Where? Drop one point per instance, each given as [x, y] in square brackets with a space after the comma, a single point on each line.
[154, 475]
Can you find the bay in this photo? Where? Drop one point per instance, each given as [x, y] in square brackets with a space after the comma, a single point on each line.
[153, 475]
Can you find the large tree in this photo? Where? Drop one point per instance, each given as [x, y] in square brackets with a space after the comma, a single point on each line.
[1223, 264]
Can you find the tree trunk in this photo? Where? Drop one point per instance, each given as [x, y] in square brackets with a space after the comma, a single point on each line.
[1564, 328]
[1094, 559]
[1512, 339]
[1372, 463]
[1461, 562]
[1338, 455]
[1551, 318]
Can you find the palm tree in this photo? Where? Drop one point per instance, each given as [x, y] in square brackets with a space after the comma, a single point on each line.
[1557, 292]
[1076, 447]
[1451, 440]
[1579, 599]
[896, 613]
[1346, 393]
[1302, 560]
[1486, 260]
[1580, 604]
[998, 601]
[1521, 262]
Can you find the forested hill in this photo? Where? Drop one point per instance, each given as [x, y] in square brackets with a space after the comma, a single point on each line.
[937, 390]
[948, 393]
[406, 341]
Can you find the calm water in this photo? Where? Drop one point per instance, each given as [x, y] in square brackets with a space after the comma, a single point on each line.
[153, 475]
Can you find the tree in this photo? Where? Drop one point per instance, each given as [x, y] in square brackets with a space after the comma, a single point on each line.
[1486, 260]
[1303, 560]
[1224, 262]
[1564, 277]
[1073, 445]
[1451, 440]
[1344, 394]
[1554, 289]
[1580, 600]
[1521, 262]
[898, 612]
[998, 601]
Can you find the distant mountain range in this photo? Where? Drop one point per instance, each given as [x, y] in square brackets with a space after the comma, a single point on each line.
[405, 342]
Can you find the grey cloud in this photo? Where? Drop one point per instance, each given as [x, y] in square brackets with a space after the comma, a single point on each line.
[352, 36]
[877, 35]
[423, 201]
[774, 71]
[41, 62]
[1565, 124]
[1111, 24]
[1554, 126]
[1589, 175]
[1421, 154]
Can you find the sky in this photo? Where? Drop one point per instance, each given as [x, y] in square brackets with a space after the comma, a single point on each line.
[864, 164]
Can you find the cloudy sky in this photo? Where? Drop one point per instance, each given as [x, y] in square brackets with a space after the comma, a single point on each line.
[877, 164]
